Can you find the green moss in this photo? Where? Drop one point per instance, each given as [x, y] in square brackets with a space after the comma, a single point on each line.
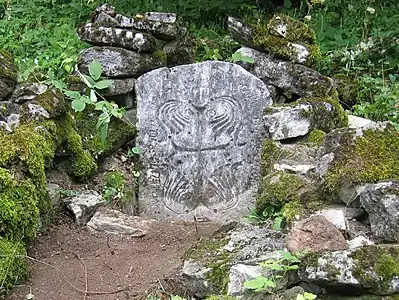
[369, 158]
[221, 297]
[376, 266]
[316, 137]
[266, 37]
[7, 68]
[211, 255]
[162, 55]
[292, 209]
[347, 88]
[119, 132]
[12, 264]
[270, 154]
[322, 118]
[278, 190]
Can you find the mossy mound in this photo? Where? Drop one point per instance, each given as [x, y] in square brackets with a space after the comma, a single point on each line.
[376, 267]
[119, 132]
[12, 264]
[287, 38]
[368, 156]
[327, 113]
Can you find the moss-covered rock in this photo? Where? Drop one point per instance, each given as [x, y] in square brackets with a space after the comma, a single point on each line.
[352, 157]
[347, 88]
[8, 74]
[370, 269]
[12, 264]
[119, 132]
[287, 38]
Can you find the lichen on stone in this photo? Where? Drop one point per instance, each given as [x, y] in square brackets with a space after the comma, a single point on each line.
[368, 158]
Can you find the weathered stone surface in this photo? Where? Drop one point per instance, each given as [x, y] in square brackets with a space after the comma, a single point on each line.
[284, 37]
[335, 214]
[357, 122]
[119, 87]
[27, 91]
[315, 233]
[358, 242]
[113, 221]
[118, 62]
[369, 269]
[381, 202]
[54, 192]
[8, 108]
[200, 132]
[163, 26]
[9, 123]
[351, 158]
[286, 122]
[355, 229]
[225, 260]
[180, 52]
[8, 75]
[288, 76]
[117, 37]
[84, 205]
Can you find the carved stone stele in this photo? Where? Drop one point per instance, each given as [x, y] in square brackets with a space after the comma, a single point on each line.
[200, 133]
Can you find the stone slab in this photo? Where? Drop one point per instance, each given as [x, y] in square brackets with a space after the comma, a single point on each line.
[200, 133]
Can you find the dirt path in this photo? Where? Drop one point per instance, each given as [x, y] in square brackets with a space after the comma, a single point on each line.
[133, 265]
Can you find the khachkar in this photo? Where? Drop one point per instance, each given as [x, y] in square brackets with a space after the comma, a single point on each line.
[200, 133]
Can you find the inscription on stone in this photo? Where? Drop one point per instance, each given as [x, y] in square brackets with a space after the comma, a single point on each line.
[200, 133]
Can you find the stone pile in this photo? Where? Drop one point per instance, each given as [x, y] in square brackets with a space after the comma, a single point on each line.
[129, 47]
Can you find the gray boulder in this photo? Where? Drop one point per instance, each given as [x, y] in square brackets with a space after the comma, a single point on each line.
[119, 87]
[117, 37]
[381, 202]
[25, 92]
[8, 75]
[180, 52]
[84, 205]
[351, 158]
[294, 78]
[370, 269]
[118, 62]
[114, 222]
[222, 263]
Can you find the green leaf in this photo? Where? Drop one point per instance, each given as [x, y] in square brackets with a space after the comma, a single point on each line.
[93, 96]
[300, 297]
[309, 296]
[136, 174]
[72, 95]
[88, 81]
[104, 118]
[135, 150]
[95, 69]
[277, 223]
[103, 131]
[256, 284]
[78, 105]
[392, 77]
[103, 84]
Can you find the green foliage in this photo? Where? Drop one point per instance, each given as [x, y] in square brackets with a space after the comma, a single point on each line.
[114, 186]
[278, 268]
[12, 264]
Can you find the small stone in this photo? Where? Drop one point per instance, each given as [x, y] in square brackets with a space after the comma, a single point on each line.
[84, 205]
[315, 234]
[359, 241]
[357, 122]
[335, 215]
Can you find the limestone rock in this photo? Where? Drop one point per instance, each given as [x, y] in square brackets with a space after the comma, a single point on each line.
[180, 52]
[119, 87]
[315, 233]
[358, 242]
[118, 62]
[351, 158]
[54, 192]
[283, 36]
[113, 221]
[117, 37]
[357, 122]
[204, 117]
[8, 108]
[84, 205]
[10, 123]
[369, 269]
[27, 91]
[335, 215]
[381, 202]
[8, 75]
[294, 78]
[229, 257]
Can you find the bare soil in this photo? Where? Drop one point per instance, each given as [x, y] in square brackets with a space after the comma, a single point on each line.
[113, 266]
